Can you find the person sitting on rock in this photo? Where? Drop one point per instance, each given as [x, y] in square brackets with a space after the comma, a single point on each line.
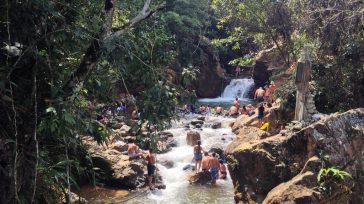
[243, 110]
[151, 162]
[133, 150]
[219, 110]
[197, 155]
[223, 172]
[202, 109]
[233, 111]
[205, 162]
[214, 165]
[250, 110]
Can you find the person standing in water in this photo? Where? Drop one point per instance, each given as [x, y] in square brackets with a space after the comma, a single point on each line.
[223, 172]
[197, 155]
[151, 161]
[214, 168]
[205, 163]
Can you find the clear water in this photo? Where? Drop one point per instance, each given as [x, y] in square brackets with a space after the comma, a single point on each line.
[178, 190]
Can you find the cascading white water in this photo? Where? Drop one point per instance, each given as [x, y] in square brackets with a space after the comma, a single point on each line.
[237, 88]
[178, 190]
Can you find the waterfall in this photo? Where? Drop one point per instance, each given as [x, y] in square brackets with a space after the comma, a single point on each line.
[237, 88]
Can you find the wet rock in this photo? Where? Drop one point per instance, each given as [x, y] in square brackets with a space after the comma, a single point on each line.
[216, 125]
[171, 142]
[202, 118]
[218, 149]
[195, 122]
[201, 178]
[167, 163]
[193, 137]
[160, 186]
[198, 126]
[165, 134]
[189, 167]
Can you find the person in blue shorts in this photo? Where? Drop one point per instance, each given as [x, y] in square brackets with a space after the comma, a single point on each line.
[214, 168]
[197, 155]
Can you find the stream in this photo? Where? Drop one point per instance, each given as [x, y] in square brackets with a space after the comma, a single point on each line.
[178, 190]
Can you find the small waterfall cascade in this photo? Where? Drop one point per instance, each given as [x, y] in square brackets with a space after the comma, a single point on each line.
[238, 88]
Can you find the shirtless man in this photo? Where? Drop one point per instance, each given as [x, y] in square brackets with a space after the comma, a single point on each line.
[197, 155]
[151, 160]
[233, 111]
[267, 94]
[259, 95]
[236, 103]
[272, 88]
[214, 168]
[219, 110]
[205, 163]
[133, 151]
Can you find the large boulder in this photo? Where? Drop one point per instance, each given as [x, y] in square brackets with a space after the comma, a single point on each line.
[114, 168]
[201, 178]
[259, 165]
[193, 137]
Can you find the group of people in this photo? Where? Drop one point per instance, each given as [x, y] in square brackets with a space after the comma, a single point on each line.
[265, 94]
[134, 152]
[210, 163]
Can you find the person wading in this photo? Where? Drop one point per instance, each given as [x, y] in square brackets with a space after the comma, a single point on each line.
[151, 162]
[205, 163]
[197, 155]
[214, 165]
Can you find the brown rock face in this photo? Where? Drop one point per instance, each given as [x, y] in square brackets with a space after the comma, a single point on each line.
[193, 137]
[259, 165]
[115, 168]
[209, 83]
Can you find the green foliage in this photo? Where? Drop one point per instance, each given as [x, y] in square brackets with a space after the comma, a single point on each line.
[233, 162]
[332, 180]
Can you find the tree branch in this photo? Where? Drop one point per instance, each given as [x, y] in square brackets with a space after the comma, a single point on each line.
[93, 53]
[142, 15]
